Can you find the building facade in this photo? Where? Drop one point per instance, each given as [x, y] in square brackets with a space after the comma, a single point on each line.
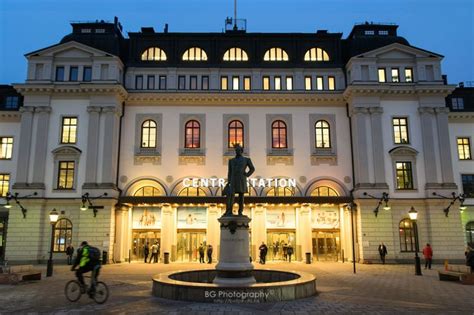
[143, 127]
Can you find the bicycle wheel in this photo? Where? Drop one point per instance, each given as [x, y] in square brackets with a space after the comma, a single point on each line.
[101, 293]
[73, 290]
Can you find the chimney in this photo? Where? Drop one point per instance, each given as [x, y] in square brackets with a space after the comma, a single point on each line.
[166, 28]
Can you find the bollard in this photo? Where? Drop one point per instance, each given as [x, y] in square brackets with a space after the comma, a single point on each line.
[308, 258]
[166, 258]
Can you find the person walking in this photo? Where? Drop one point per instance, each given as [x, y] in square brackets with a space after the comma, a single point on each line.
[383, 252]
[209, 254]
[146, 251]
[285, 251]
[470, 258]
[201, 254]
[154, 253]
[289, 252]
[428, 253]
[69, 254]
[263, 253]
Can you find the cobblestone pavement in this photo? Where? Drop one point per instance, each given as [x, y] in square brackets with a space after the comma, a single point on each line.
[375, 289]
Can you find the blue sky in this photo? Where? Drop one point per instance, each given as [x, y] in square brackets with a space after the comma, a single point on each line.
[442, 26]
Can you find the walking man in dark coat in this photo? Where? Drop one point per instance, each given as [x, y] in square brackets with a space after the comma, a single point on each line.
[209, 254]
[146, 251]
[237, 179]
[383, 252]
[263, 253]
[69, 253]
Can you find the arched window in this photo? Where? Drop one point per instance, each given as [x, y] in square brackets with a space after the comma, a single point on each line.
[148, 191]
[148, 134]
[62, 235]
[154, 54]
[194, 54]
[316, 54]
[192, 135]
[191, 192]
[235, 54]
[324, 191]
[322, 134]
[281, 191]
[470, 233]
[407, 236]
[279, 138]
[235, 133]
[275, 54]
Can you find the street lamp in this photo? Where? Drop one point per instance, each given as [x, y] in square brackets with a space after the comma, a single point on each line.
[53, 218]
[413, 216]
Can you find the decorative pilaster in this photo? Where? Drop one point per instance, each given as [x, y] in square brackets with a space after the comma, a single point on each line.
[110, 146]
[122, 228]
[359, 129]
[377, 147]
[41, 146]
[431, 171]
[445, 148]
[24, 151]
[92, 147]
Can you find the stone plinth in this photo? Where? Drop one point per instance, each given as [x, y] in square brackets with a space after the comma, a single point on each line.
[234, 267]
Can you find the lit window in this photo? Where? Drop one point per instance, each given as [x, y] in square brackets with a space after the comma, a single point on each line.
[464, 148]
[192, 135]
[383, 32]
[319, 83]
[59, 73]
[235, 54]
[87, 74]
[468, 185]
[235, 133]
[281, 191]
[235, 83]
[194, 54]
[148, 191]
[404, 175]
[148, 134]
[408, 75]
[316, 54]
[62, 235]
[205, 82]
[162, 82]
[151, 82]
[324, 191]
[277, 81]
[66, 175]
[470, 233]
[370, 32]
[279, 139]
[139, 82]
[307, 83]
[247, 84]
[69, 130]
[4, 184]
[382, 77]
[191, 192]
[193, 82]
[266, 83]
[12, 102]
[407, 236]
[73, 73]
[224, 83]
[331, 83]
[322, 134]
[400, 130]
[275, 54]
[181, 82]
[289, 83]
[395, 75]
[457, 103]
[6, 148]
[154, 54]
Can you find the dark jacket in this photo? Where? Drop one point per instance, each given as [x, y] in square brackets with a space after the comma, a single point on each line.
[237, 175]
[70, 251]
[383, 250]
[263, 249]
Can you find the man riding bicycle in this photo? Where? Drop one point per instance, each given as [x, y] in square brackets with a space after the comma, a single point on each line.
[88, 260]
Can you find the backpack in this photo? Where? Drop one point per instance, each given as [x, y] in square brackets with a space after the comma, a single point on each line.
[94, 254]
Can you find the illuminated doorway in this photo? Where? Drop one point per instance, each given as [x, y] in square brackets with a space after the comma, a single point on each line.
[326, 245]
[139, 239]
[188, 245]
[277, 243]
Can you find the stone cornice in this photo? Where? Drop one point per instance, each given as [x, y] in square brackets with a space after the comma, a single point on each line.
[397, 89]
[76, 88]
[10, 116]
[463, 116]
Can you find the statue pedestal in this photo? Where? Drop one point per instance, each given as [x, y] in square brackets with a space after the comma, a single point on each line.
[234, 266]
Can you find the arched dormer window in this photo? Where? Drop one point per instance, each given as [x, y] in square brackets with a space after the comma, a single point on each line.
[148, 191]
[316, 54]
[322, 134]
[148, 134]
[154, 54]
[192, 192]
[235, 54]
[195, 54]
[275, 54]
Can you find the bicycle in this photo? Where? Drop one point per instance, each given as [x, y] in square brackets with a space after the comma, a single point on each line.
[73, 291]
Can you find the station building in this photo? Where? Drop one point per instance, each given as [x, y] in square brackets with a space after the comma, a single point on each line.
[128, 138]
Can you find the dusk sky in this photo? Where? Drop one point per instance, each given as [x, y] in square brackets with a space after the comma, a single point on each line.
[442, 26]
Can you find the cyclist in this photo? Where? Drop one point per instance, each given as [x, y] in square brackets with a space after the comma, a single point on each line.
[87, 261]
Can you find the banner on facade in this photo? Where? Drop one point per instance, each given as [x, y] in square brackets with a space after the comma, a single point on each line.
[146, 218]
[324, 218]
[284, 218]
[192, 218]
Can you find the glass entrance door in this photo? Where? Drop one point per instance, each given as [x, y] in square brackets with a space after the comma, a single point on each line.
[139, 239]
[277, 243]
[326, 245]
[188, 245]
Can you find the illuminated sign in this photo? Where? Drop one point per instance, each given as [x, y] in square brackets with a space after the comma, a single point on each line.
[252, 182]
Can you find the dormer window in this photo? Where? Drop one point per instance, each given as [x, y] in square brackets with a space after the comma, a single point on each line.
[369, 32]
[235, 54]
[275, 54]
[383, 32]
[154, 54]
[316, 54]
[195, 54]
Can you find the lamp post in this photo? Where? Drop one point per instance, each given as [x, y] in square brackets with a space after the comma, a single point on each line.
[413, 216]
[53, 218]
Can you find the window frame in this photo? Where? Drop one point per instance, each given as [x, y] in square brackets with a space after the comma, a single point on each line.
[161, 54]
[8, 146]
[279, 129]
[316, 54]
[409, 70]
[235, 129]
[275, 86]
[402, 231]
[289, 78]
[242, 57]
[464, 146]
[151, 130]
[408, 176]
[226, 120]
[162, 78]
[63, 131]
[205, 86]
[85, 76]
[275, 54]
[192, 128]
[68, 175]
[141, 151]
[57, 247]
[319, 79]
[224, 83]
[469, 229]
[394, 132]
[139, 78]
[323, 129]
[382, 71]
[58, 77]
[193, 82]
[397, 70]
[181, 82]
[150, 79]
[193, 54]
[10, 104]
[247, 86]
[4, 184]
[459, 105]
[333, 79]
[235, 83]
[76, 70]
[469, 193]
[308, 80]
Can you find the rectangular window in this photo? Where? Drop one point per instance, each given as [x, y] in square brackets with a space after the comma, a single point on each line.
[193, 82]
[404, 175]
[468, 185]
[104, 72]
[464, 148]
[331, 83]
[457, 103]
[247, 84]
[370, 32]
[224, 83]
[383, 32]
[205, 82]
[400, 130]
[69, 130]
[59, 73]
[395, 75]
[139, 82]
[308, 85]
[73, 73]
[235, 83]
[151, 82]
[266, 83]
[277, 81]
[289, 83]
[66, 175]
[408, 75]
[162, 84]
[181, 82]
[87, 74]
[4, 184]
[12, 102]
[382, 77]
[319, 83]
[6, 148]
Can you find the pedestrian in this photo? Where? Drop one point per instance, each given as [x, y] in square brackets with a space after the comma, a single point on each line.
[289, 252]
[470, 258]
[146, 251]
[285, 251]
[382, 252]
[69, 253]
[275, 250]
[263, 253]
[209, 254]
[157, 257]
[201, 254]
[154, 253]
[428, 253]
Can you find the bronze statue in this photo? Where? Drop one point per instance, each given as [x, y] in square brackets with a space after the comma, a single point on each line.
[237, 180]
